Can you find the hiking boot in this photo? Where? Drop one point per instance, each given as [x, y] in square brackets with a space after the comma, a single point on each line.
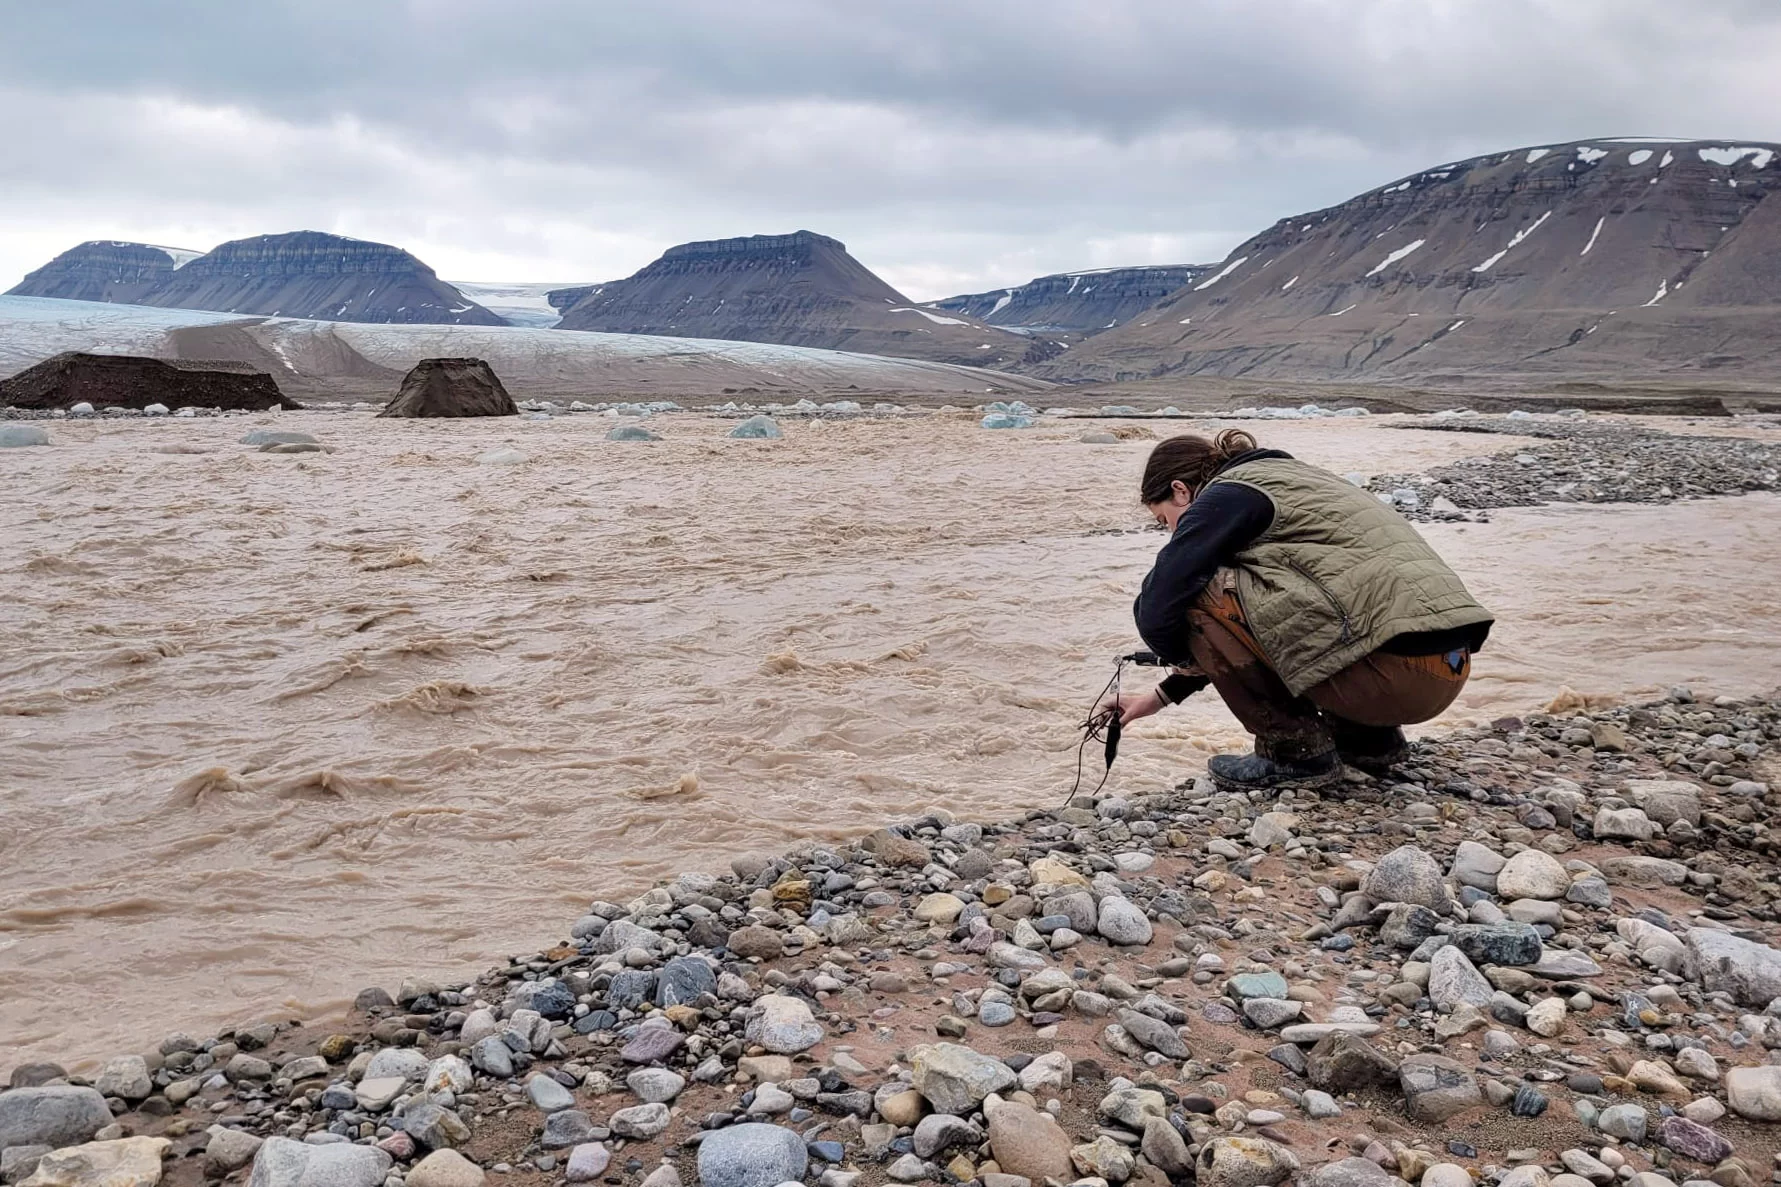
[1250, 772]
[1373, 749]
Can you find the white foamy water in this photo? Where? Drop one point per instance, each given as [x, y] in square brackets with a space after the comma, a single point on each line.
[276, 728]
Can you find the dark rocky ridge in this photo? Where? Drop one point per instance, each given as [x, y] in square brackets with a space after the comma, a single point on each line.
[1602, 258]
[1083, 302]
[801, 289]
[306, 274]
[104, 270]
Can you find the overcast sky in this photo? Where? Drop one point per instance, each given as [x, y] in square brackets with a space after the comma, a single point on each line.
[953, 145]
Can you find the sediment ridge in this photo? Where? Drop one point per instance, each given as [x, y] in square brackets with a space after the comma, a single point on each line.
[1535, 953]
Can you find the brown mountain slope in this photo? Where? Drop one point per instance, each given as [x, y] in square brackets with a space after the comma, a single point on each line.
[801, 289]
[306, 274]
[1606, 257]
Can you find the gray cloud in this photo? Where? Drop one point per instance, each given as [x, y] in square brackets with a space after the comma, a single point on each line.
[952, 145]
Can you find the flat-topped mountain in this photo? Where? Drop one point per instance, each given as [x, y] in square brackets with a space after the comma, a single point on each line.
[1076, 302]
[307, 274]
[106, 270]
[801, 289]
[1603, 257]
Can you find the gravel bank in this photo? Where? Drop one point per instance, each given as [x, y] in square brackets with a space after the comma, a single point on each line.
[1580, 462]
[1536, 955]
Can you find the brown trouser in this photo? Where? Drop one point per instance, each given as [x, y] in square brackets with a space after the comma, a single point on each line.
[1359, 708]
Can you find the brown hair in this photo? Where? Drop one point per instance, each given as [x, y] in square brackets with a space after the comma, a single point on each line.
[1190, 460]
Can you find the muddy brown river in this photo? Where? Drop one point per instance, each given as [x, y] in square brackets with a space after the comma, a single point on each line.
[276, 728]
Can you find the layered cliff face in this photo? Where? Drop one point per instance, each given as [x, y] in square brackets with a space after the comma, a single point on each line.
[314, 275]
[1606, 257]
[305, 274]
[105, 270]
[1076, 302]
[801, 289]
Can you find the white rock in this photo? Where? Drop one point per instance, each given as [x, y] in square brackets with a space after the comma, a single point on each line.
[1533, 874]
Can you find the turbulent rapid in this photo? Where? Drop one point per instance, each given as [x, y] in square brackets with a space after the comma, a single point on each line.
[274, 728]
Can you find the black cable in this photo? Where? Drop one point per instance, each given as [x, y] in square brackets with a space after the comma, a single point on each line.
[1101, 727]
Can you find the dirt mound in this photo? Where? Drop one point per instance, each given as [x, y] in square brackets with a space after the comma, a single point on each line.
[129, 381]
[451, 387]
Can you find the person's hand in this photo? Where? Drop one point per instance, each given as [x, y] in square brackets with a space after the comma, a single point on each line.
[1133, 706]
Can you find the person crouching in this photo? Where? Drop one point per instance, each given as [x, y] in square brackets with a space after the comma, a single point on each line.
[1318, 613]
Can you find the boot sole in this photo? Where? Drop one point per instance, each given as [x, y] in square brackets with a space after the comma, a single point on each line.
[1304, 783]
[1375, 764]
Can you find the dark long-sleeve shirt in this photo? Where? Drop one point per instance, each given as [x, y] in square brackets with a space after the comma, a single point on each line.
[1222, 521]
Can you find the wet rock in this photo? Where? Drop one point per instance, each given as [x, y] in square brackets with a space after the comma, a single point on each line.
[22, 436]
[955, 1079]
[753, 1154]
[127, 1162]
[284, 1163]
[1245, 1162]
[1723, 963]
[1406, 875]
[1436, 1088]
[52, 1115]
[758, 427]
